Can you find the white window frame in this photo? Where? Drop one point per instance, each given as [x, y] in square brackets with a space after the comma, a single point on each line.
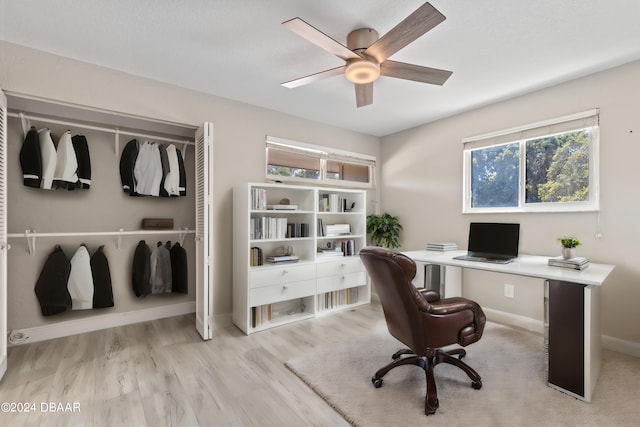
[521, 134]
[325, 154]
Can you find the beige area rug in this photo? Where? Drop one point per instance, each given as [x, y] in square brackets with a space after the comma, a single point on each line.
[514, 391]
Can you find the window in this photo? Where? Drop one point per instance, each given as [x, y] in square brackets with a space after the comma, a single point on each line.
[294, 161]
[548, 166]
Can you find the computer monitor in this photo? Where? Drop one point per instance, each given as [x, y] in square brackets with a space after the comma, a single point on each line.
[493, 240]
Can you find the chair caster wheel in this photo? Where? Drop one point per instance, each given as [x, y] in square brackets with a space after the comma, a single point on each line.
[477, 385]
[377, 382]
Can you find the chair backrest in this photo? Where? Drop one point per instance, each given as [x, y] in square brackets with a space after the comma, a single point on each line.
[391, 274]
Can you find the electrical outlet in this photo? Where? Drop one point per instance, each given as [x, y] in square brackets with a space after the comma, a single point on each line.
[509, 290]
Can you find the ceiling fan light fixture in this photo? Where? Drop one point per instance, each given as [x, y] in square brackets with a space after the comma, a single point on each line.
[362, 71]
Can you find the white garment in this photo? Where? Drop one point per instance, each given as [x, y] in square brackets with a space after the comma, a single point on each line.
[148, 170]
[67, 163]
[80, 283]
[48, 155]
[172, 180]
[160, 268]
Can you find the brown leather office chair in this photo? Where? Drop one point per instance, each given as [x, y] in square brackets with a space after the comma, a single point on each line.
[421, 320]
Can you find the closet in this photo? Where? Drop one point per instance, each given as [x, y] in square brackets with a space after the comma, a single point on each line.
[34, 220]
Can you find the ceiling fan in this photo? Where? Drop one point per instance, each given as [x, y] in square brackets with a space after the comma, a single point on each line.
[366, 54]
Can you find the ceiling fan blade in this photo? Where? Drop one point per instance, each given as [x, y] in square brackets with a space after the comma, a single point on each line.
[319, 38]
[417, 73]
[314, 77]
[364, 94]
[413, 26]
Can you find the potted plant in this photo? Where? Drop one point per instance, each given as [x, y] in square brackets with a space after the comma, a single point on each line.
[569, 245]
[384, 230]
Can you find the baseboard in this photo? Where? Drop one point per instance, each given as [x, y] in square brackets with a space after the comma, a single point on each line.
[621, 346]
[514, 320]
[95, 323]
[610, 343]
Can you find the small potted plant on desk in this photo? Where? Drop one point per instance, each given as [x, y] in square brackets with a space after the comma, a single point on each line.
[384, 230]
[569, 245]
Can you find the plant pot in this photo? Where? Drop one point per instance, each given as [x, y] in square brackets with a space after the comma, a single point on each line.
[568, 253]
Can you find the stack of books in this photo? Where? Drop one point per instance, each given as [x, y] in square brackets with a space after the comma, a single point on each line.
[328, 253]
[441, 247]
[281, 259]
[578, 263]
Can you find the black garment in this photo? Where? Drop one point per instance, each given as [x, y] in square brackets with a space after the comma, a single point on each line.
[102, 290]
[81, 148]
[141, 270]
[183, 175]
[31, 159]
[51, 287]
[164, 160]
[179, 268]
[127, 164]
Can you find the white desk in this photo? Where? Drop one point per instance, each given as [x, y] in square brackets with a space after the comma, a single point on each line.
[572, 317]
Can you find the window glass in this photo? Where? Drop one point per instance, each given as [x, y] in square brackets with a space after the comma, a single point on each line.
[494, 176]
[558, 168]
[347, 171]
[285, 163]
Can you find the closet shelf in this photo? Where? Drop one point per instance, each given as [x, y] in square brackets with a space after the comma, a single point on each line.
[31, 235]
[117, 132]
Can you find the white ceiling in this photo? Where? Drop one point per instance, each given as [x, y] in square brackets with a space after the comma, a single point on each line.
[238, 49]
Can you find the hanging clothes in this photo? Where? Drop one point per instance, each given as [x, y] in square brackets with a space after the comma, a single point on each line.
[48, 158]
[160, 266]
[164, 161]
[102, 290]
[66, 176]
[81, 149]
[179, 269]
[80, 283]
[141, 270]
[127, 165]
[172, 180]
[182, 189]
[31, 159]
[51, 287]
[148, 170]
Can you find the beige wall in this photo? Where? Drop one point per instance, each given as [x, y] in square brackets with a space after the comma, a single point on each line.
[239, 133]
[421, 180]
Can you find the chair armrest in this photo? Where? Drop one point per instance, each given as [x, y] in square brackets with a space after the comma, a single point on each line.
[431, 295]
[454, 305]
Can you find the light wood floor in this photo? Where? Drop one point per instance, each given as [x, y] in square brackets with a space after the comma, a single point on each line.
[161, 373]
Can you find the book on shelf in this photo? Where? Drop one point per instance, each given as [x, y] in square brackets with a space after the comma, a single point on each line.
[258, 198]
[283, 207]
[260, 315]
[255, 256]
[577, 263]
[329, 253]
[334, 203]
[338, 229]
[280, 259]
[320, 230]
[442, 247]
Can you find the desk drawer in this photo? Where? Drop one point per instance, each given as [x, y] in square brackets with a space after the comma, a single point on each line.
[281, 274]
[281, 292]
[344, 281]
[342, 266]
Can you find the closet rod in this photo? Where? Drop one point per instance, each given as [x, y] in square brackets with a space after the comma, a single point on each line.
[31, 235]
[99, 128]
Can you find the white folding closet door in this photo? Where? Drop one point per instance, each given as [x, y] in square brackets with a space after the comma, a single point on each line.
[204, 227]
[3, 234]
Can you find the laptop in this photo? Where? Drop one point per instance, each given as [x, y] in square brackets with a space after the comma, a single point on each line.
[492, 242]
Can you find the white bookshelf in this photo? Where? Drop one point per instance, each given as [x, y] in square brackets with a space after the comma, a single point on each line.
[319, 283]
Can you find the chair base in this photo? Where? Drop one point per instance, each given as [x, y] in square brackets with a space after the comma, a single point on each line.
[427, 363]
